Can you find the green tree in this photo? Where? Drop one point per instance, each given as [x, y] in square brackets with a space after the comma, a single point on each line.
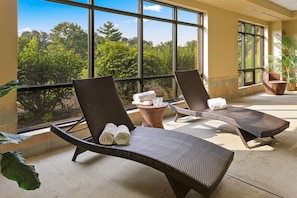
[164, 50]
[109, 32]
[70, 37]
[154, 60]
[46, 67]
[27, 36]
[120, 61]
[186, 56]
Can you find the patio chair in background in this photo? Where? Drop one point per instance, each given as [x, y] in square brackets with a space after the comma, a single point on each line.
[272, 84]
[249, 124]
[187, 161]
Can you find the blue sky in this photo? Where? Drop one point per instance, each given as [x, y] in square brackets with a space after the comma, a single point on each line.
[41, 15]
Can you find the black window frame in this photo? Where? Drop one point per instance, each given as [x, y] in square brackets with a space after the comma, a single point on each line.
[243, 33]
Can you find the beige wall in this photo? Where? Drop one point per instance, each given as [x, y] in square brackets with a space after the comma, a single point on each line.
[275, 28]
[8, 62]
[290, 27]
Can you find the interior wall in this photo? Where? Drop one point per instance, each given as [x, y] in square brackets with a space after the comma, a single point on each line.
[8, 63]
[290, 28]
[275, 29]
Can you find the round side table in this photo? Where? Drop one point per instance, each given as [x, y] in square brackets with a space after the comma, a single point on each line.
[152, 116]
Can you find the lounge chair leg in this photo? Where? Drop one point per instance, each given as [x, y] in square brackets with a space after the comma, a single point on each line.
[177, 115]
[179, 189]
[79, 150]
[245, 136]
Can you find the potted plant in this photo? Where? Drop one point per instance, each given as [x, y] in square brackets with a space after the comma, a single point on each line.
[289, 61]
[12, 163]
[273, 65]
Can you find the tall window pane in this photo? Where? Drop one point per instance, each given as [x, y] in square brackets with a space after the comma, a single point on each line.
[157, 48]
[250, 53]
[52, 49]
[115, 45]
[187, 50]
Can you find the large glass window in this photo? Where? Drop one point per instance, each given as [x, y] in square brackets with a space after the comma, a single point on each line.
[140, 43]
[250, 53]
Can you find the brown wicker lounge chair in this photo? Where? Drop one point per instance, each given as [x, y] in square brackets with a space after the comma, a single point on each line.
[249, 124]
[187, 161]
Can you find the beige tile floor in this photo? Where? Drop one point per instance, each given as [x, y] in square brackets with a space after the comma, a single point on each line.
[268, 171]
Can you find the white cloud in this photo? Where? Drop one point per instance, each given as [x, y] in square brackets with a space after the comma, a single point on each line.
[156, 8]
[127, 21]
[144, 20]
[25, 29]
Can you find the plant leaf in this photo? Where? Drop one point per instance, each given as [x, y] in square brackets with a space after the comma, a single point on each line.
[14, 168]
[6, 88]
[11, 138]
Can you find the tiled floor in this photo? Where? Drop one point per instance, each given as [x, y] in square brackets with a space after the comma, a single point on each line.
[268, 171]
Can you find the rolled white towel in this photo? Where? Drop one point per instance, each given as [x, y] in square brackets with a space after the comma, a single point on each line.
[122, 135]
[144, 96]
[107, 135]
[216, 103]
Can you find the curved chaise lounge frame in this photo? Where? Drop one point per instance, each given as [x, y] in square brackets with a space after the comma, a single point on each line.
[187, 161]
[249, 124]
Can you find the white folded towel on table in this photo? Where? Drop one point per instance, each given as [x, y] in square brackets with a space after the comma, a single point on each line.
[216, 103]
[144, 96]
[122, 135]
[107, 135]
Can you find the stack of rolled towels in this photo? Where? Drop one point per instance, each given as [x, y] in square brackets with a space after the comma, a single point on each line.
[216, 103]
[113, 134]
[144, 98]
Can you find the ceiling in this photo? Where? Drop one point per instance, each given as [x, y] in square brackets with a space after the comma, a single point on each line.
[288, 4]
[267, 10]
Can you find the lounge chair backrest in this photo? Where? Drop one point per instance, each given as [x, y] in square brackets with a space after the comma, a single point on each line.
[95, 97]
[193, 89]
